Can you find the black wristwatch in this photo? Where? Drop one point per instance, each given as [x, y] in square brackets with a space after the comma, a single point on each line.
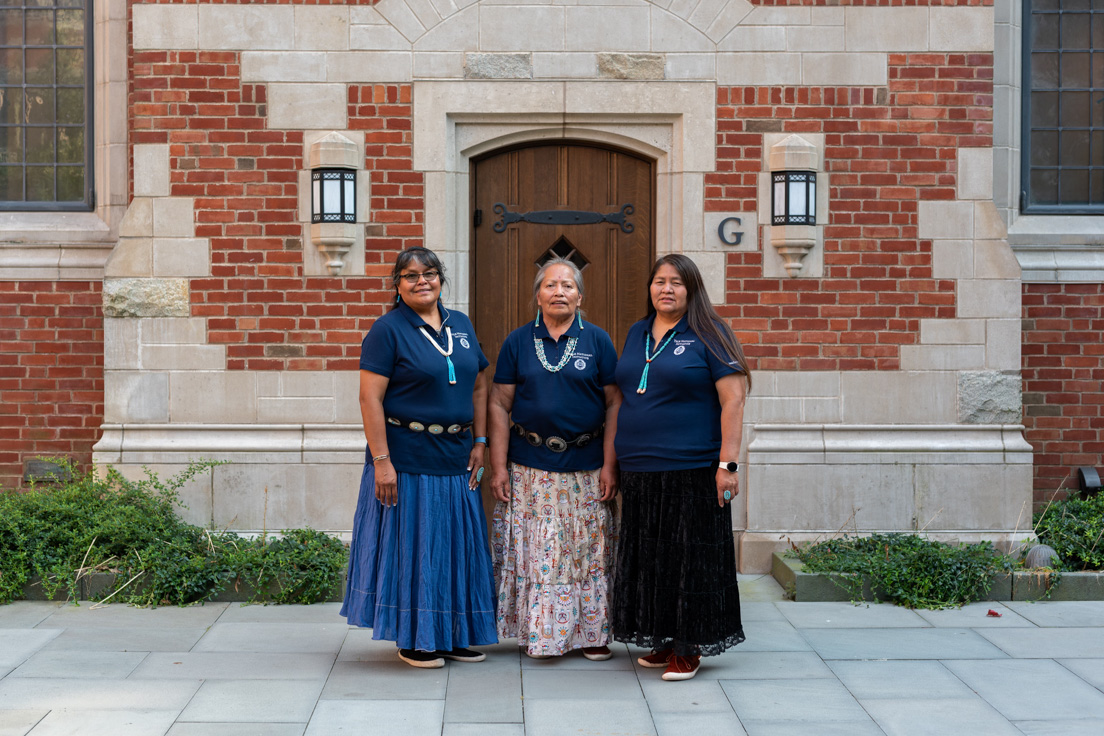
[729, 466]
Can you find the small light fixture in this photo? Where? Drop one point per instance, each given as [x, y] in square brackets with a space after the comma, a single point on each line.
[793, 197]
[333, 195]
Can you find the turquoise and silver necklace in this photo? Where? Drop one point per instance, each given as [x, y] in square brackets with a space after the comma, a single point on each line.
[442, 351]
[538, 345]
[648, 360]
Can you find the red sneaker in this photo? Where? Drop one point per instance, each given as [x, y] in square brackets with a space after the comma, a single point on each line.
[682, 668]
[656, 659]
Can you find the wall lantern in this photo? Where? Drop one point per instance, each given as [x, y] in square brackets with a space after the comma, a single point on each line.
[793, 198]
[333, 161]
[793, 165]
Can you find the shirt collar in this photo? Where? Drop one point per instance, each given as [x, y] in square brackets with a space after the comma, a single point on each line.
[682, 326]
[572, 330]
[413, 318]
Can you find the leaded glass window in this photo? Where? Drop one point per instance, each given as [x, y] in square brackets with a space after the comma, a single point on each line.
[45, 104]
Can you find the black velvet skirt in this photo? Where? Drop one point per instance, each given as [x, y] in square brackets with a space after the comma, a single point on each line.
[674, 585]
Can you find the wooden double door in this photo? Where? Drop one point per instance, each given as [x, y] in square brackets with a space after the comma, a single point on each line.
[592, 205]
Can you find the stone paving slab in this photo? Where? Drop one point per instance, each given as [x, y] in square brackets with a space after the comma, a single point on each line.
[391, 679]
[593, 717]
[865, 727]
[477, 695]
[407, 717]
[1089, 670]
[88, 615]
[234, 666]
[237, 729]
[125, 640]
[83, 665]
[283, 637]
[807, 701]
[18, 721]
[254, 701]
[849, 616]
[899, 680]
[919, 717]
[1061, 728]
[1022, 690]
[902, 644]
[27, 614]
[96, 694]
[1061, 613]
[105, 722]
[16, 645]
[1059, 643]
[976, 616]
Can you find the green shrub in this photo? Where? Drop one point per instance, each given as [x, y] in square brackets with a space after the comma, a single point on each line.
[907, 569]
[60, 532]
[1075, 529]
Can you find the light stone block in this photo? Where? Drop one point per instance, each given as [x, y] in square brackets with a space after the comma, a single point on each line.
[165, 27]
[771, 410]
[821, 16]
[952, 332]
[174, 331]
[815, 39]
[131, 397]
[727, 21]
[138, 221]
[886, 29]
[500, 28]
[988, 223]
[146, 298]
[294, 410]
[435, 65]
[377, 38]
[995, 259]
[972, 497]
[975, 173]
[425, 12]
[247, 27]
[283, 66]
[184, 357]
[774, 266]
[960, 29]
[706, 11]
[257, 496]
[181, 257]
[721, 228]
[806, 383]
[952, 259]
[307, 106]
[829, 69]
[755, 38]
[671, 33]
[712, 267]
[681, 8]
[903, 397]
[308, 383]
[322, 27]
[993, 299]
[946, 220]
[399, 15]
[173, 217]
[1003, 339]
[564, 66]
[223, 397]
[347, 397]
[151, 170]
[498, 66]
[843, 496]
[606, 28]
[359, 67]
[826, 411]
[743, 68]
[130, 257]
[457, 32]
[630, 66]
[691, 66]
[942, 357]
[121, 344]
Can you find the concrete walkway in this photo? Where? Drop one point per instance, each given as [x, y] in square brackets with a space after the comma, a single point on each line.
[806, 668]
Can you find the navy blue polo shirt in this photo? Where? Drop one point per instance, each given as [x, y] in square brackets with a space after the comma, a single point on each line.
[418, 389]
[564, 404]
[676, 423]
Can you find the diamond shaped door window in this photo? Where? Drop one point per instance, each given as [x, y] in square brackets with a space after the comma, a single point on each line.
[563, 248]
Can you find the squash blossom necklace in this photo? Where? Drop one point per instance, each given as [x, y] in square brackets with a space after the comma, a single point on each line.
[442, 351]
[648, 360]
[538, 345]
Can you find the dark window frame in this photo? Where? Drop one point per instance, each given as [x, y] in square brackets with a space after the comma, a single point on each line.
[1027, 205]
[87, 203]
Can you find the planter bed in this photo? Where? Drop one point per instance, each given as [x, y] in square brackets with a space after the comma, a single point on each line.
[1019, 586]
[95, 586]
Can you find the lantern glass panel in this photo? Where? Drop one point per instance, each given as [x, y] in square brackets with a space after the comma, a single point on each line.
[780, 198]
[316, 197]
[812, 197]
[331, 197]
[796, 199]
[350, 196]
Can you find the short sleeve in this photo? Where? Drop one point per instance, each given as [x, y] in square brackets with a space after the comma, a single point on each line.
[507, 366]
[377, 351]
[607, 360]
[718, 368]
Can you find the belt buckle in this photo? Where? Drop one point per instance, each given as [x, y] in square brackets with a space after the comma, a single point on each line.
[556, 444]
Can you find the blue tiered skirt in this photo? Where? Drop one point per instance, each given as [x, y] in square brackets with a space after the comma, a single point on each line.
[420, 572]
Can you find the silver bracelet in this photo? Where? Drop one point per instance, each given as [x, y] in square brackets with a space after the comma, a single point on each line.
[377, 458]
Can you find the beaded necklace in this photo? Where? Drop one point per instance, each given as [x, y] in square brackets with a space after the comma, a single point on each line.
[538, 345]
[648, 361]
[442, 351]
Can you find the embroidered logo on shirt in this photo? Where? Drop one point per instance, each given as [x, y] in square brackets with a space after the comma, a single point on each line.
[580, 364]
[463, 338]
[680, 350]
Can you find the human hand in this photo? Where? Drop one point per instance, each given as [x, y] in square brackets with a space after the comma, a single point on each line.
[387, 483]
[475, 465]
[727, 483]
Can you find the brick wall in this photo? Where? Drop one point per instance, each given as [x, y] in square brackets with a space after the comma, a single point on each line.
[244, 179]
[51, 372]
[887, 148]
[1063, 380]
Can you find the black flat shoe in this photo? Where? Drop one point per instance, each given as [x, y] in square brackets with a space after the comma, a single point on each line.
[424, 660]
[461, 655]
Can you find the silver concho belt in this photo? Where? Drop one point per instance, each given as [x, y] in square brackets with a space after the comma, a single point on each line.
[553, 443]
[415, 426]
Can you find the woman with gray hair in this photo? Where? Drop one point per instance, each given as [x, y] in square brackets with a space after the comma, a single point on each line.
[551, 419]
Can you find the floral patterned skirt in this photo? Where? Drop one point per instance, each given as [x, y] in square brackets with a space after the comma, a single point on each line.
[553, 554]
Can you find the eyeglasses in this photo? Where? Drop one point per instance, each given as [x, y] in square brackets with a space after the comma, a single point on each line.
[413, 278]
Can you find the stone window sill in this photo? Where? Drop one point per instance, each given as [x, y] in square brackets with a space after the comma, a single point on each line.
[53, 246]
[1059, 248]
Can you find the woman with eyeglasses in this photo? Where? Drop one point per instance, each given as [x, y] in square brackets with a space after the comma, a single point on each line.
[684, 378]
[420, 570]
[553, 473]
